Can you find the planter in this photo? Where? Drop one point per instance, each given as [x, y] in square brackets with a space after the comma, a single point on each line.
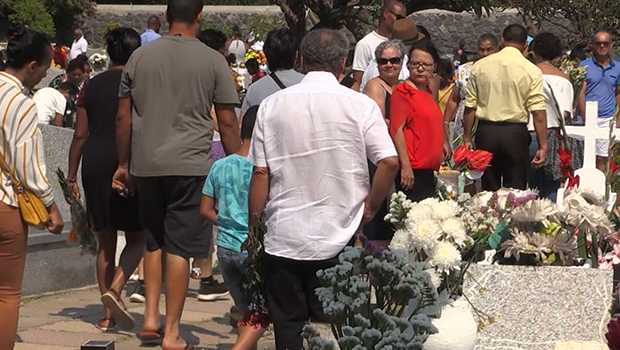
[457, 328]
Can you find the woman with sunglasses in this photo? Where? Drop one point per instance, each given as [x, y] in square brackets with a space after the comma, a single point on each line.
[416, 125]
[390, 56]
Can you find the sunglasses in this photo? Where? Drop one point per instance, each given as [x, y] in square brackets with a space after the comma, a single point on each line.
[393, 60]
[396, 14]
[604, 43]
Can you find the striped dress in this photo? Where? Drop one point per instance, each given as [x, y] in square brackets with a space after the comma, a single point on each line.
[21, 143]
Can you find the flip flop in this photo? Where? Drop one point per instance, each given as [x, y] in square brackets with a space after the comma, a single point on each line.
[150, 336]
[109, 327]
[188, 346]
[112, 301]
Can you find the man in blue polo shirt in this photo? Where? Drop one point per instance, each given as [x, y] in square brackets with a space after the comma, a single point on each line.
[602, 84]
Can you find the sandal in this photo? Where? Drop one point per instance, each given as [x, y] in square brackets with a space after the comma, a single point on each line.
[196, 273]
[112, 301]
[188, 346]
[150, 336]
[110, 324]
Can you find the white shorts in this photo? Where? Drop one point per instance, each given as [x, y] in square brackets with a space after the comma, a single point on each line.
[602, 145]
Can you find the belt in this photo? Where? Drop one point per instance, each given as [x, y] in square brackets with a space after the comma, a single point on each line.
[488, 122]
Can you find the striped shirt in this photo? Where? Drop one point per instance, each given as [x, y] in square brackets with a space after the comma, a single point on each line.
[21, 144]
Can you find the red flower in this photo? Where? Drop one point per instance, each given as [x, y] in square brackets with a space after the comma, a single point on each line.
[573, 181]
[479, 159]
[461, 154]
[566, 157]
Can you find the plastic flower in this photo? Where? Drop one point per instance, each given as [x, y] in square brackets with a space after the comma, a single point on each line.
[539, 210]
[425, 235]
[445, 257]
[460, 155]
[479, 159]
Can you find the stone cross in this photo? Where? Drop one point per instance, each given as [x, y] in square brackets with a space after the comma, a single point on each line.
[590, 177]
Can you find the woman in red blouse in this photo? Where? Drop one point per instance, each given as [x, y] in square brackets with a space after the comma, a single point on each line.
[417, 125]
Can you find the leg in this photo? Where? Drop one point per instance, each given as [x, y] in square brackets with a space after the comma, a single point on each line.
[130, 258]
[13, 243]
[601, 163]
[515, 149]
[210, 289]
[152, 282]
[139, 293]
[534, 175]
[177, 281]
[106, 265]
[287, 301]
[248, 338]
[423, 185]
[487, 139]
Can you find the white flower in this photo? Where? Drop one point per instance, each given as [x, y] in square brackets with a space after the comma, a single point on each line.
[445, 257]
[424, 235]
[444, 210]
[401, 240]
[455, 230]
[418, 212]
[539, 210]
[435, 277]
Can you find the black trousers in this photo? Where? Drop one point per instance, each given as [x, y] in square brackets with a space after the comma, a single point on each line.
[424, 184]
[509, 143]
[291, 299]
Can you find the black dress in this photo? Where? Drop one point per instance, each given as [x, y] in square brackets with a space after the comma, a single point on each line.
[106, 208]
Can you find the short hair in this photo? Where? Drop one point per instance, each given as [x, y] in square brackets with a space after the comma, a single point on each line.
[213, 38]
[324, 50]
[445, 68]
[426, 46]
[578, 54]
[236, 31]
[183, 11]
[394, 43]
[251, 63]
[231, 58]
[515, 33]
[122, 42]
[247, 125]
[25, 46]
[76, 64]
[69, 87]
[547, 46]
[153, 21]
[79, 31]
[490, 38]
[280, 49]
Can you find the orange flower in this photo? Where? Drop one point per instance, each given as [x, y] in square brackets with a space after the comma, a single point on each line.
[461, 154]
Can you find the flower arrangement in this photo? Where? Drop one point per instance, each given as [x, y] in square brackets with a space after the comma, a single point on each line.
[98, 61]
[259, 56]
[467, 160]
[358, 323]
[252, 282]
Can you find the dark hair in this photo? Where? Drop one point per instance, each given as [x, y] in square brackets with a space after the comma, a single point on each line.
[183, 11]
[490, 38]
[153, 21]
[426, 46]
[3, 58]
[236, 32]
[251, 63]
[423, 30]
[280, 49]
[25, 46]
[213, 39]
[445, 69]
[76, 64]
[82, 57]
[515, 33]
[69, 87]
[122, 42]
[578, 54]
[247, 126]
[231, 58]
[547, 46]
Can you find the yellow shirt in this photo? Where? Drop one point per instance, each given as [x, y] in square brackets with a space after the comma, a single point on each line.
[444, 96]
[505, 87]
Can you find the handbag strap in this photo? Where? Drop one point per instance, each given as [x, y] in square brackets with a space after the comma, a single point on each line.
[16, 183]
[277, 80]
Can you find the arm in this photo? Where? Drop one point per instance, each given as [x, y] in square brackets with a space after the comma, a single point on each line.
[77, 145]
[122, 181]
[207, 209]
[58, 120]
[381, 186]
[540, 125]
[356, 86]
[471, 102]
[375, 91]
[357, 76]
[229, 127]
[400, 109]
[216, 125]
[581, 104]
[433, 84]
[468, 125]
[617, 103]
[258, 194]
[448, 116]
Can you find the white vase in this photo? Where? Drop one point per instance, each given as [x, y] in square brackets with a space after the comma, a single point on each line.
[457, 328]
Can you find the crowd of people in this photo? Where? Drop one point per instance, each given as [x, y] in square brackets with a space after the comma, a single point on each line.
[315, 150]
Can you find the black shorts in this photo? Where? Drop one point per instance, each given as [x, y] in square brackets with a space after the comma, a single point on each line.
[170, 213]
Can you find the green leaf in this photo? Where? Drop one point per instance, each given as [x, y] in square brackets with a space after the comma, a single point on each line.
[550, 260]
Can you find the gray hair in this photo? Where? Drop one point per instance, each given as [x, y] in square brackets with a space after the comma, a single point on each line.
[324, 50]
[394, 43]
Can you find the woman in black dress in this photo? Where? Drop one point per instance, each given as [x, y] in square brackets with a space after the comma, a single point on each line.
[94, 142]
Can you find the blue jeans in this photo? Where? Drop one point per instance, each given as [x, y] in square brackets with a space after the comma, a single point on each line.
[231, 263]
[536, 178]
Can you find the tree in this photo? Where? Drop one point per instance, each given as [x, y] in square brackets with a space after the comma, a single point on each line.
[357, 15]
[33, 13]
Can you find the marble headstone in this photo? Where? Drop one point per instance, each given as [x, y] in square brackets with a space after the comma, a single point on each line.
[540, 308]
[52, 73]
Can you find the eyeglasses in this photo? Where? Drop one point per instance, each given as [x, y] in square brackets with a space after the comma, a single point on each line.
[424, 65]
[393, 60]
[603, 43]
[395, 14]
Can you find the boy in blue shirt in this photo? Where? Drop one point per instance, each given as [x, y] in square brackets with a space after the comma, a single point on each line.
[227, 186]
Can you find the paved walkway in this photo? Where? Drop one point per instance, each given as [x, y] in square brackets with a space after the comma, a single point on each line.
[65, 321]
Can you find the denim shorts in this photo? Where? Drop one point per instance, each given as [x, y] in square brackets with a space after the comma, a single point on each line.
[231, 263]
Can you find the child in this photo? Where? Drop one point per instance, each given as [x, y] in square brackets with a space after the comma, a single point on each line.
[252, 66]
[228, 185]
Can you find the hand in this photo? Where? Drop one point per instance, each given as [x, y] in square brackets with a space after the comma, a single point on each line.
[540, 158]
[76, 191]
[56, 223]
[447, 151]
[469, 144]
[123, 182]
[406, 178]
[369, 211]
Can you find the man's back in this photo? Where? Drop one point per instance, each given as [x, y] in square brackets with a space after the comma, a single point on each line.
[315, 138]
[173, 82]
[264, 88]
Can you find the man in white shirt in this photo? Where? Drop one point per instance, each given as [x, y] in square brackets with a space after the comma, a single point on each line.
[80, 45]
[309, 152]
[52, 103]
[392, 11]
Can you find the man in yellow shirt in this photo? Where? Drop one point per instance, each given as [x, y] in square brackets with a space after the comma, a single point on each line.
[502, 92]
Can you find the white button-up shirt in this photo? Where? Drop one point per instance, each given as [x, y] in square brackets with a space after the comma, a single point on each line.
[79, 47]
[315, 138]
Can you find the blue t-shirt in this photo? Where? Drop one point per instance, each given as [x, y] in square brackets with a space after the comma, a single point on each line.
[601, 85]
[148, 36]
[229, 183]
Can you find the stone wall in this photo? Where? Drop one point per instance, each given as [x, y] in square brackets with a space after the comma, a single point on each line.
[446, 28]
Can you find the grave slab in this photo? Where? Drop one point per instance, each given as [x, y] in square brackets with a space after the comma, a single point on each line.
[536, 307]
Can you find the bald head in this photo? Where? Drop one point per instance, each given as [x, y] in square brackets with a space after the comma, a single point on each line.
[77, 34]
[392, 11]
[602, 44]
[154, 23]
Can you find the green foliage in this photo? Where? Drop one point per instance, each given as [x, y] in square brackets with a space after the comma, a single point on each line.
[264, 24]
[208, 24]
[34, 13]
[110, 27]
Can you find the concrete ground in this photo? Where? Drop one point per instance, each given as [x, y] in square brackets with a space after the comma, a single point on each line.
[66, 320]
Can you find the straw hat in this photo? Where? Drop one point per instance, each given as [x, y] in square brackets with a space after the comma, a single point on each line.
[405, 30]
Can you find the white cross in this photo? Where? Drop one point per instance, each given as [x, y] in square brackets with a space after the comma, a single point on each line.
[589, 176]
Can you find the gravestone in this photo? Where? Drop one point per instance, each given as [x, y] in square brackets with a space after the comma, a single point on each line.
[541, 308]
[52, 73]
[53, 264]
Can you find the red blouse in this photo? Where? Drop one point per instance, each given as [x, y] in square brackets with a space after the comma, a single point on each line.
[423, 125]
